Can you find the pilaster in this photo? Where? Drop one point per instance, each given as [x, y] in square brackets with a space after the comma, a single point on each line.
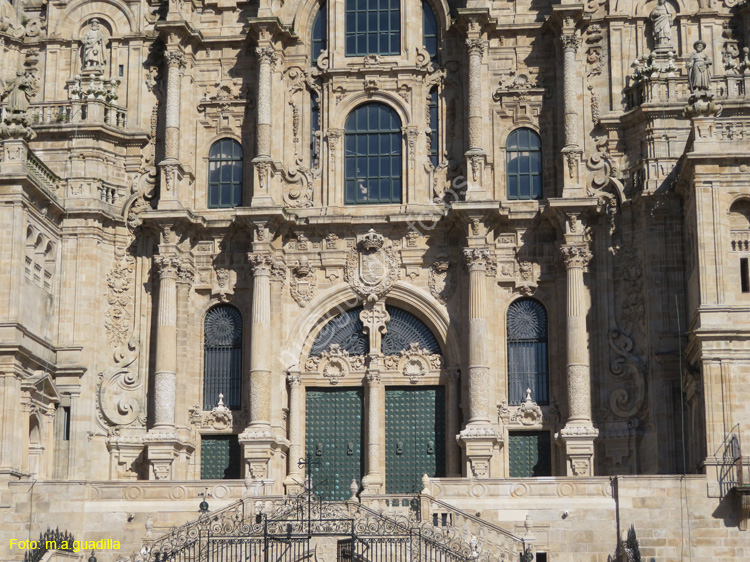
[172, 171]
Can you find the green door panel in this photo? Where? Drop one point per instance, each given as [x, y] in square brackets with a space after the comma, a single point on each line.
[414, 436]
[221, 457]
[334, 441]
[530, 454]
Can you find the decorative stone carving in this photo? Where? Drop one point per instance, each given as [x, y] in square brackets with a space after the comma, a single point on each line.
[442, 280]
[335, 363]
[699, 69]
[631, 370]
[576, 255]
[374, 318]
[298, 185]
[528, 413]
[303, 283]
[120, 392]
[117, 318]
[415, 362]
[17, 96]
[371, 267]
[219, 418]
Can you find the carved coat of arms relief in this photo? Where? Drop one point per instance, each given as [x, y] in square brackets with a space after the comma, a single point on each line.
[372, 267]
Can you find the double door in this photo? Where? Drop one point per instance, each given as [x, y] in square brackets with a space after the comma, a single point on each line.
[414, 420]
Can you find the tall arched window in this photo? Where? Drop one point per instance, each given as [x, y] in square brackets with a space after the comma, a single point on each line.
[225, 174]
[432, 110]
[527, 351]
[524, 164]
[429, 30]
[373, 155]
[373, 27]
[318, 40]
[222, 363]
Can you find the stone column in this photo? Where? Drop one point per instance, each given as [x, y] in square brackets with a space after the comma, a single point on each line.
[175, 60]
[475, 48]
[262, 160]
[165, 374]
[475, 155]
[185, 278]
[479, 437]
[374, 319]
[570, 40]
[259, 442]
[294, 481]
[579, 432]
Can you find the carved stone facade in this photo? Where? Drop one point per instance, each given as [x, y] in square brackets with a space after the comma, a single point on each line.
[113, 251]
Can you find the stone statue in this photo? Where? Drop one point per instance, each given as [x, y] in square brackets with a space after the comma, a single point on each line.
[94, 44]
[699, 69]
[661, 17]
[18, 93]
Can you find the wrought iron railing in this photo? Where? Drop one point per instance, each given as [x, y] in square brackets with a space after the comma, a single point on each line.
[728, 460]
[49, 540]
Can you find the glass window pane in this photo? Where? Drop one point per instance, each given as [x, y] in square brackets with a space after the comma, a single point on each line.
[523, 163]
[535, 162]
[513, 187]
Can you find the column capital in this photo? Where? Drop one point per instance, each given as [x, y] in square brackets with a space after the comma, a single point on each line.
[260, 262]
[576, 255]
[293, 379]
[175, 58]
[570, 40]
[373, 377]
[477, 259]
[266, 55]
[475, 47]
[167, 266]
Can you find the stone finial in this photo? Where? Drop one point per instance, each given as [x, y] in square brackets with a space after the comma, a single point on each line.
[425, 484]
[353, 488]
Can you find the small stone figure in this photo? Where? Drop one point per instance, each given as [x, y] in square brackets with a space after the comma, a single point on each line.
[94, 44]
[699, 71]
[661, 17]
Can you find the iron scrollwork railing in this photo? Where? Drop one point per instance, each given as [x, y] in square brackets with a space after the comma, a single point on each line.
[291, 529]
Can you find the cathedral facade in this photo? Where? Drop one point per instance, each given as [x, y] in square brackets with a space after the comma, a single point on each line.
[480, 266]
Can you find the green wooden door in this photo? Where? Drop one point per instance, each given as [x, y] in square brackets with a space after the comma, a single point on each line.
[414, 437]
[530, 454]
[335, 440]
[221, 457]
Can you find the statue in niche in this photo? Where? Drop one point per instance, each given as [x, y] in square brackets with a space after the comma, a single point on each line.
[661, 17]
[94, 44]
[699, 69]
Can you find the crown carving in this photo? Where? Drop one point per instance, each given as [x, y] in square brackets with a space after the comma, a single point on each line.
[372, 241]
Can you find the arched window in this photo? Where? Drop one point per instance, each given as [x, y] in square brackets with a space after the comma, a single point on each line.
[314, 130]
[373, 155]
[318, 39]
[524, 165]
[527, 351]
[225, 174]
[429, 30]
[222, 363]
[373, 27]
[432, 111]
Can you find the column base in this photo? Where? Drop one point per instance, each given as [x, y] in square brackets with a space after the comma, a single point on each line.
[372, 484]
[479, 444]
[259, 445]
[168, 455]
[579, 448]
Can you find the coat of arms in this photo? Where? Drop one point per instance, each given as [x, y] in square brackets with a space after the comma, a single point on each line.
[371, 268]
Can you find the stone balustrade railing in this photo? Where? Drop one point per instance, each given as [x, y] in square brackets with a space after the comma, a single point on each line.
[38, 170]
[661, 89]
[78, 111]
[488, 537]
[740, 240]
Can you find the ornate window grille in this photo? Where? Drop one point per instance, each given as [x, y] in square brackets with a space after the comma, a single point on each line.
[373, 155]
[524, 165]
[432, 109]
[314, 130]
[318, 40]
[404, 329]
[345, 330]
[373, 27]
[222, 363]
[225, 174]
[527, 352]
[429, 31]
